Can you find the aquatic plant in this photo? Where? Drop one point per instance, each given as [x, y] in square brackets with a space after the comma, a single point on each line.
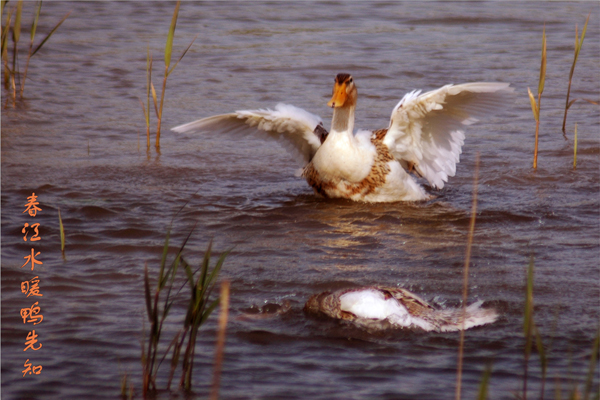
[535, 106]
[158, 108]
[62, 234]
[201, 282]
[11, 73]
[484, 384]
[575, 148]
[466, 278]
[214, 394]
[531, 333]
[578, 44]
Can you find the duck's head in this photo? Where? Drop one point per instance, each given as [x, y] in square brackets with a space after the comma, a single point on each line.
[344, 92]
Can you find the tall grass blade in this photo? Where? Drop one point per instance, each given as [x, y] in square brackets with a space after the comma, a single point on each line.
[35, 21]
[32, 36]
[575, 149]
[62, 234]
[534, 107]
[6, 71]
[182, 55]
[148, 81]
[170, 36]
[163, 259]
[5, 30]
[147, 293]
[543, 359]
[578, 45]
[593, 360]
[39, 46]
[17, 24]
[485, 382]
[528, 322]
[214, 393]
[543, 64]
[154, 99]
[466, 280]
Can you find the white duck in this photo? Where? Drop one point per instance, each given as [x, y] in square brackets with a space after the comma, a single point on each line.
[425, 135]
[379, 308]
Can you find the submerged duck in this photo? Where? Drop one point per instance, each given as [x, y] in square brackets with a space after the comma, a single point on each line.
[379, 308]
[425, 136]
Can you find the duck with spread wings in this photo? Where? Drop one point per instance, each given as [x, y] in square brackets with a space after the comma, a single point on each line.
[425, 136]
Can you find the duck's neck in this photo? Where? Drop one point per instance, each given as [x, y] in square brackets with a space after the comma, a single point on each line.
[343, 119]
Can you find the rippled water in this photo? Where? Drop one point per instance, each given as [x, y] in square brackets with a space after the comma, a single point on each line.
[78, 142]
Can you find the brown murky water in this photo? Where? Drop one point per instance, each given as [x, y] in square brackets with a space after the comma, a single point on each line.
[77, 142]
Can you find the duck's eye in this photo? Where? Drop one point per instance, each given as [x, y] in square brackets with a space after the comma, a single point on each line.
[350, 81]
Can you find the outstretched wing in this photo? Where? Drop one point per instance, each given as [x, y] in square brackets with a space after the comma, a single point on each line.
[299, 131]
[427, 130]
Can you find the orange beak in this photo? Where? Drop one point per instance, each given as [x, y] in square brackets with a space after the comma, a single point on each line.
[339, 96]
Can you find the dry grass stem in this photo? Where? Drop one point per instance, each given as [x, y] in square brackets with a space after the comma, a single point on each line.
[575, 149]
[224, 305]
[466, 280]
[578, 45]
[62, 234]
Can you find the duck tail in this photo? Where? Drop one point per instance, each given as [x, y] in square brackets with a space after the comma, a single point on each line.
[474, 315]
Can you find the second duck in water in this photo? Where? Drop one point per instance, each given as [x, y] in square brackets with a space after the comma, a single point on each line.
[380, 308]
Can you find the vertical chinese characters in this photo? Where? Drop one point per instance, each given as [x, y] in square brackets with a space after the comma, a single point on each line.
[31, 287]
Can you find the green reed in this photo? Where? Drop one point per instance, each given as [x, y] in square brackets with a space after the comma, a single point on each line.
[590, 375]
[484, 384]
[578, 45]
[199, 309]
[535, 105]
[158, 107]
[532, 333]
[201, 282]
[11, 71]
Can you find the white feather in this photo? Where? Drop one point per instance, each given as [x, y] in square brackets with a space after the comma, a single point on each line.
[427, 129]
[291, 126]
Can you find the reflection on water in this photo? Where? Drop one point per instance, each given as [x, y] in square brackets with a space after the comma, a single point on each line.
[78, 142]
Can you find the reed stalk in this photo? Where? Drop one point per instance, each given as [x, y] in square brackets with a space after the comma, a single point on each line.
[466, 280]
[214, 394]
[199, 309]
[532, 333]
[11, 74]
[590, 376]
[201, 282]
[4, 50]
[535, 106]
[33, 51]
[158, 106]
[485, 382]
[578, 45]
[149, 87]
[32, 36]
[575, 149]
[62, 234]
[16, 37]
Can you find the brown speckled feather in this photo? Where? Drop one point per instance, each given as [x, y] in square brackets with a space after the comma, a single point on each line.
[375, 179]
